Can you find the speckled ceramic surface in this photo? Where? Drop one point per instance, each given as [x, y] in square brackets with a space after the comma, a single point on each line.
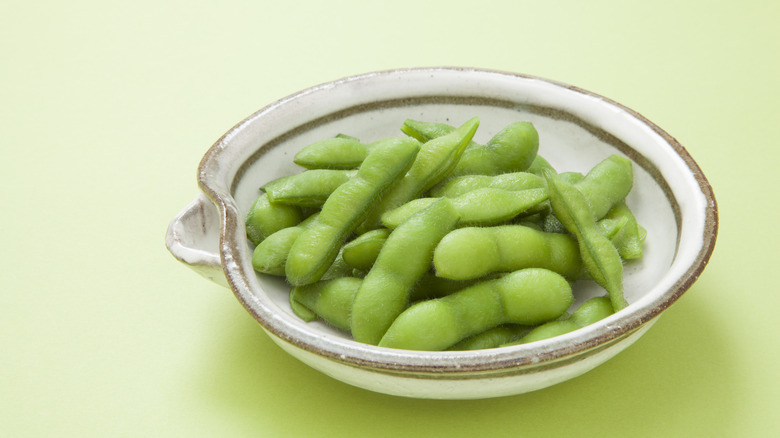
[671, 198]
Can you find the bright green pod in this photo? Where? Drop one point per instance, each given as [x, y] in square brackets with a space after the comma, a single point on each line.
[431, 286]
[629, 238]
[473, 252]
[527, 297]
[404, 259]
[539, 165]
[486, 206]
[317, 247]
[491, 338]
[307, 189]
[512, 149]
[436, 159]
[330, 300]
[426, 131]
[599, 256]
[589, 312]
[270, 256]
[265, 218]
[513, 181]
[607, 184]
[340, 152]
[362, 251]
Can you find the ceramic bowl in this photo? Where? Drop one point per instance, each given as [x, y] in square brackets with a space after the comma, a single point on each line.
[671, 198]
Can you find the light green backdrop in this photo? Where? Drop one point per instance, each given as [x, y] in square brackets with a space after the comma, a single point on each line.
[107, 107]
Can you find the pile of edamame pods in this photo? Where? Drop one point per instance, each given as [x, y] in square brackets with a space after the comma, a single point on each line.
[430, 241]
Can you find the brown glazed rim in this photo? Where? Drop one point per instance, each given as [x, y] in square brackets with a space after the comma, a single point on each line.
[515, 359]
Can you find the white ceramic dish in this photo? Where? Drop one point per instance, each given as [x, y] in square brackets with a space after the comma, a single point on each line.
[671, 199]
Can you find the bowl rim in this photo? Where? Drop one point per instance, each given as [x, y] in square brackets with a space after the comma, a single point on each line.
[349, 352]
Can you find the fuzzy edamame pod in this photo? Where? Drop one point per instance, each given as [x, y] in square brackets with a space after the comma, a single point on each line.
[593, 310]
[317, 247]
[306, 189]
[404, 258]
[606, 184]
[527, 297]
[539, 165]
[425, 131]
[485, 206]
[629, 238]
[514, 181]
[491, 338]
[340, 152]
[512, 149]
[436, 159]
[270, 255]
[362, 251]
[265, 218]
[599, 256]
[330, 300]
[473, 252]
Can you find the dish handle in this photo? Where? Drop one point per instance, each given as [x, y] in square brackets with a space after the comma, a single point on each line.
[193, 238]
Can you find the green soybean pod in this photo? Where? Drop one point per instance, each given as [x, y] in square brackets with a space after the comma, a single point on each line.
[491, 338]
[362, 251]
[629, 238]
[592, 310]
[472, 252]
[403, 260]
[340, 152]
[486, 206]
[317, 247]
[599, 256]
[430, 286]
[436, 159]
[606, 184]
[611, 227]
[539, 165]
[330, 300]
[513, 181]
[307, 189]
[265, 218]
[425, 131]
[270, 255]
[512, 149]
[526, 297]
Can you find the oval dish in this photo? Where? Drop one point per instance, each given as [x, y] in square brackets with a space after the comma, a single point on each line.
[671, 198]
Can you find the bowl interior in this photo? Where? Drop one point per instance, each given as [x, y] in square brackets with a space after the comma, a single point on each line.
[577, 130]
[567, 145]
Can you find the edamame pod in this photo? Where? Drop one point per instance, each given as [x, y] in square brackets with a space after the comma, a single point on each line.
[629, 238]
[307, 189]
[426, 131]
[527, 297]
[340, 152]
[512, 149]
[539, 165]
[331, 300]
[599, 256]
[317, 247]
[606, 184]
[491, 338]
[270, 255]
[265, 218]
[485, 206]
[436, 159]
[513, 181]
[404, 258]
[473, 252]
[593, 310]
[361, 252]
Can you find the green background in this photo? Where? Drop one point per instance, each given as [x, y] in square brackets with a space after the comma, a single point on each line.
[107, 107]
